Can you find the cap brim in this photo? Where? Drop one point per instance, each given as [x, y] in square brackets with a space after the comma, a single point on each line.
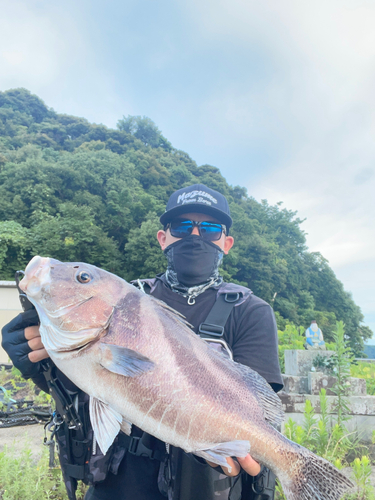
[222, 217]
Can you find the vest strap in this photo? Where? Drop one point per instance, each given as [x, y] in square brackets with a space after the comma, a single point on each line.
[213, 326]
[138, 446]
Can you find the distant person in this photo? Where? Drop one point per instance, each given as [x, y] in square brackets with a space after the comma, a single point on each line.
[314, 337]
[194, 238]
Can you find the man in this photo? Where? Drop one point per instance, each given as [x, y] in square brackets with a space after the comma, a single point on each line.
[194, 239]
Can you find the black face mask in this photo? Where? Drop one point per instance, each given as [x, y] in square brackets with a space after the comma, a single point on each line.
[193, 261]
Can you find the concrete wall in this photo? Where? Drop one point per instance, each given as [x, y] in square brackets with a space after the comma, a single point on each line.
[9, 308]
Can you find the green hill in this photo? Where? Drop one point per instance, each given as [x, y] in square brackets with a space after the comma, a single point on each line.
[79, 191]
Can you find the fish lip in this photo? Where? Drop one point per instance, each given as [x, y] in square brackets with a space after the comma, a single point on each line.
[37, 276]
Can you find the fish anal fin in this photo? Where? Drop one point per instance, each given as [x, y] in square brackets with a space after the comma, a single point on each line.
[124, 361]
[218, 453]
[105, 422]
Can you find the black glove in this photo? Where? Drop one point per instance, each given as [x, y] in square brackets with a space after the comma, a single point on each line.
[16, 345]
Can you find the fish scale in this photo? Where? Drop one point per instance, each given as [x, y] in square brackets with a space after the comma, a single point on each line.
[141, 364]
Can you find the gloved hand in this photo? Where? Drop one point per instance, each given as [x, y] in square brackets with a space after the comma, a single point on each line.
[18, 346]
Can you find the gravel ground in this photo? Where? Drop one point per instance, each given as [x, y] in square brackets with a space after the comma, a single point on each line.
[33, 435]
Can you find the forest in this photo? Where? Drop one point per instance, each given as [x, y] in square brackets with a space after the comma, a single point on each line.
[78, 191]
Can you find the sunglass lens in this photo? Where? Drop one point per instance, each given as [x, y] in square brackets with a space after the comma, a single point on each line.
[180, 229]
[210, 231]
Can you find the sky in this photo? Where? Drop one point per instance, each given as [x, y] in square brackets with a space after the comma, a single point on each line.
[278, 94]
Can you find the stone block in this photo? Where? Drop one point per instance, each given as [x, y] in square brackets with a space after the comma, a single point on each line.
[358, 405]
[319, 380]
[299, 363]
[297, 385]
[357, 387]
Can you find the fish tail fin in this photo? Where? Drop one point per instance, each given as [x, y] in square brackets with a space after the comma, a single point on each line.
[312, 478]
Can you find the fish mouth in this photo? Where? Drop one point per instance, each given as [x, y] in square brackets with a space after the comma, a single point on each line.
[57, 313]
[37, 276]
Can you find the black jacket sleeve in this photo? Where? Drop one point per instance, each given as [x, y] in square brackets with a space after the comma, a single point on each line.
[252, 332]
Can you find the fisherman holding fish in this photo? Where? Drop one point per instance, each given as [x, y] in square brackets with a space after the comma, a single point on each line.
[123, 358]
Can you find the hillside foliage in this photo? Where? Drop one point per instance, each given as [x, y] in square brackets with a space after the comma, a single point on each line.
[78, 191]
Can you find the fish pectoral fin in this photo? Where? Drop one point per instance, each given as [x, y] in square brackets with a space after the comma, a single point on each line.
[126, 427]
[105, 422]
[218, 453]
[124, 361]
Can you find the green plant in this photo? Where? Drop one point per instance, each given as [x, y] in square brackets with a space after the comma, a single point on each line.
[361, 471]
[279, 494]
[342, 359]
[3, 375]
[309, 426]
[42, 398]
[318, 435]
[324, 363]
[323, 432]
[22, 477]
[6, 397]
[332, 442]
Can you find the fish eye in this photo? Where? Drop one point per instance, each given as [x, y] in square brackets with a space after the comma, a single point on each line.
[84, 277]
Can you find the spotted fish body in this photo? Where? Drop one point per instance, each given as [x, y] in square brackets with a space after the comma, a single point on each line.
[141, 364]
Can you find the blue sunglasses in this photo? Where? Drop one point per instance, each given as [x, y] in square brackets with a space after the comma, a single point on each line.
[209, 231]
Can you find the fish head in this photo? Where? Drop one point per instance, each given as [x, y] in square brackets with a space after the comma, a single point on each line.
[74, 301]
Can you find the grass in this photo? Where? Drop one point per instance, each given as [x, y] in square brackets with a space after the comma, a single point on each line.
[24, 478]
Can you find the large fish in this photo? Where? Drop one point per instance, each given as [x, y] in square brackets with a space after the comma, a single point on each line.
[141, 364]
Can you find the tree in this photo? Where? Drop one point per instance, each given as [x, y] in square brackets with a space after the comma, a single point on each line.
[144, 129]
[79, 191]
[13, 248]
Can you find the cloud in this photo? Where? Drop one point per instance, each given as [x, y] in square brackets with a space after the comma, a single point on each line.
[278, 95]
[311, 109]
[46, 47]
[36, 44]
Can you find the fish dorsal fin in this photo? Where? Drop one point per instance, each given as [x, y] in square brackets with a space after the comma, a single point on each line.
[105, 422]
[124, 361]
[175, 314]
[267, 398]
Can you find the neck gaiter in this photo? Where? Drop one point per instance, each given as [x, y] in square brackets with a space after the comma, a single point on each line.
[193, 266]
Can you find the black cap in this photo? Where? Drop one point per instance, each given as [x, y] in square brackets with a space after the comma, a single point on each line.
[200, 199]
